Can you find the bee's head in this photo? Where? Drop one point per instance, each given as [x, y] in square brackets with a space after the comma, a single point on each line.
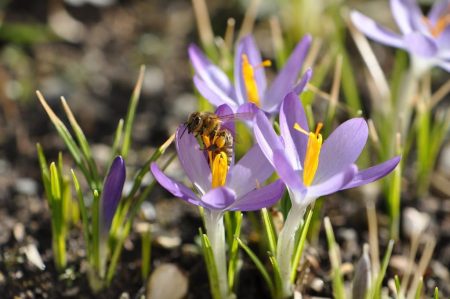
[194, 122]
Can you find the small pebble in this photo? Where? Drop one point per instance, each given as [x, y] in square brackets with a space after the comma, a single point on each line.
[19, 231]
[162, 281]
[168, 242]
[26, 186]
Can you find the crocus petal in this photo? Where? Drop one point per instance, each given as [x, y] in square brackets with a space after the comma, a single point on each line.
[193, 160]
[406, 14]
[112, 192]
[259, 198]
[267, 139]
[334, 183]
[286, 78]
[176, 188]
[213, 95]
[227, 114]
[301, 85]
[248, 47]
[420, 45]
[341, 149]
[218, 198]
[290, 176]
[295, 142]
[251, 170]
[214, 77]
[376, 32]
[373, 173]
[438, 9]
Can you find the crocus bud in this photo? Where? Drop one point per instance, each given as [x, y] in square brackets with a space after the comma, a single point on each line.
[362, 279]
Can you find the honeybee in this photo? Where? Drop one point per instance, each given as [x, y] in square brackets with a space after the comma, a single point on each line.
[215, 137]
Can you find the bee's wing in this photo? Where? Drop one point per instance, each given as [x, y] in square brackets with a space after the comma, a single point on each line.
[236, 116]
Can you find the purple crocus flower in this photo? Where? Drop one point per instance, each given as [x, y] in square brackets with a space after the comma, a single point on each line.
[310, 169]
[221, 188]
[427, 39]
[112, 193]
[250, 86]
[241, 190]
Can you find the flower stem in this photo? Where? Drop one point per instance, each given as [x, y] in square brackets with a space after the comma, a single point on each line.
[216, 234]
[285, 245]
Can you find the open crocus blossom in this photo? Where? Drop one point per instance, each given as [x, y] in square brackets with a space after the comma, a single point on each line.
[311, 169]
[250, 85]
[221, 188]
[427, 39]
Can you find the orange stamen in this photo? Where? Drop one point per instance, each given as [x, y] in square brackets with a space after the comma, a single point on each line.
[312, 152]
[248, 74]
[219, 170]
[440, 25]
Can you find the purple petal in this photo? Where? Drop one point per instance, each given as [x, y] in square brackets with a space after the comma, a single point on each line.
[214, 77]
[259, 198]
[373, 173]
[295, 142]
[112, 192]
[218, 198]
[301, 85]
[286, 78]
[334, 183]
[439, 9]
[248, 46]
[286, 171]
[215, 96]
[252, 170]
[407, 15]
[224, 111]
[266, 137]
[420, 44]
[193, 160]
[376, 32]
[176, 188]
[341, 149]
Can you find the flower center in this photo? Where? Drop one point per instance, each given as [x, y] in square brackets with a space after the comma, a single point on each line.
[312, 153]
[248, 73]
[219, 169]
[440, 25]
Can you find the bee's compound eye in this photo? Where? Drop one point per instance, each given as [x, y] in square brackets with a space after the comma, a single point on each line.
[197, 121]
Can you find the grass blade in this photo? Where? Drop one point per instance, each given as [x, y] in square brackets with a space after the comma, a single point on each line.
[129, 120]
[270, 231]
[301, 245]
[259, 266]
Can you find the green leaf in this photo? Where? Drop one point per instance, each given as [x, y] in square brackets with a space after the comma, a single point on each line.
[68, 139]
[45, 172]
[82, 141]
[301, 245]
[269, 230]
[210, 266]
[84, 215]
[234, 252]
[436, 293]
[26, 34]
[419, 289]
[55, 182]
[382, 273]
[333, 251]
[259, 265]
[129, 120]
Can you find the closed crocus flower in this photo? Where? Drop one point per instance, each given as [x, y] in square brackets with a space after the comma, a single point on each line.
[221, 187]
[311, 167]
[250, 86]
[426, 38]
